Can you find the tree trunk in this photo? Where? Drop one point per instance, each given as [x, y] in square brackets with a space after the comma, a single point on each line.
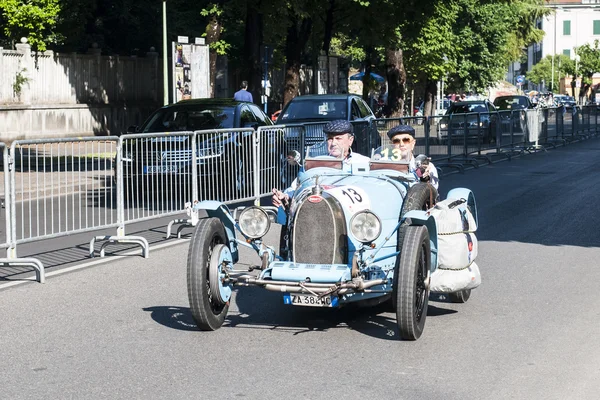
[253, 71]
[429, 99]
[396, 78]
[297, 36]
[213, 35]
[328, 27]
[366, 80]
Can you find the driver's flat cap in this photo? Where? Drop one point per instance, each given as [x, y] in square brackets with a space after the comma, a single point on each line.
[338, 127]
[401, 130]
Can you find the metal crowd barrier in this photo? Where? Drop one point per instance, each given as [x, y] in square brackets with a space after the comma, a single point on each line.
[59, 187]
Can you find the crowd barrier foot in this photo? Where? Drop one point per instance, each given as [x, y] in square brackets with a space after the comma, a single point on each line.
[184, 223]
[139, 240]
[40, 275]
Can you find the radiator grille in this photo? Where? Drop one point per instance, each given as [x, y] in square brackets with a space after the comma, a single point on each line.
[319, 235]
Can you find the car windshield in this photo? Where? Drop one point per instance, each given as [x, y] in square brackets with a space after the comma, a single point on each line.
[510, 103]
[188, 118]
[467, 108]
[315, 109]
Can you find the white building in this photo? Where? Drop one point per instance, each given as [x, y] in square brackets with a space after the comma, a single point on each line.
[572, 24]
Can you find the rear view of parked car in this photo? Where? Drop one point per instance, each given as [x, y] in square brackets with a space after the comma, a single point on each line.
[511, 110]
[473, 121]
[314, 111]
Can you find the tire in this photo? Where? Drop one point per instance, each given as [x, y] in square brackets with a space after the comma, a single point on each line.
[410, 289]
[207, 312]
[460, 297]
[418, 197]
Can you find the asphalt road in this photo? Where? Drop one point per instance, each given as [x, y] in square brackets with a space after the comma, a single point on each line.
[123, 329]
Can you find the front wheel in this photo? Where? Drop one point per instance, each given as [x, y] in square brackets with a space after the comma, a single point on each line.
[208, 257]
[411, 288]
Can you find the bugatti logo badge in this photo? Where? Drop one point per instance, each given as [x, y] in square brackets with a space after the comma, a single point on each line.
[315, 198]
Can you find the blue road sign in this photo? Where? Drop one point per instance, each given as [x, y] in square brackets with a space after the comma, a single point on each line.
[520, 79]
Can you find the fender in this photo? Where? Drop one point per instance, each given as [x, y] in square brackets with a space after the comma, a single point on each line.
[417, 218]
[216, 209]
[467, 194]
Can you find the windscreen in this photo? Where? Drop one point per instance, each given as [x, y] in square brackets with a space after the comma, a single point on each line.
[315, 109]
[511, 103]
[467, 108]
[188, 118]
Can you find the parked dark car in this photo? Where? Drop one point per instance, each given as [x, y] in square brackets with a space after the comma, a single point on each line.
[511, 111]
[151, 163]
[316, 110]
[471, 120]
[563, 100]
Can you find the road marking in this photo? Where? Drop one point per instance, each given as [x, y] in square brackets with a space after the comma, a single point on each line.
[91, 263]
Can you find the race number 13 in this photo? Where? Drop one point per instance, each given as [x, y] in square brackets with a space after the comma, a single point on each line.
[353, 195]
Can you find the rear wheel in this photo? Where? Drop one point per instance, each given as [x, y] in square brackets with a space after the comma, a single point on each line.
[411, 289]
[208, 294]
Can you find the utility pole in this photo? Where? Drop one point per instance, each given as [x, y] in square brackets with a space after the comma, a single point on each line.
[554, 48]
[165, 58]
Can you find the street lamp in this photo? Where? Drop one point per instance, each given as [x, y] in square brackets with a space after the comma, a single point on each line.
[165, 61]
[554, 47]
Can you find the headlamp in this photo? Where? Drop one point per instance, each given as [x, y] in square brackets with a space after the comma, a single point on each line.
[254, 222]
[365, 226]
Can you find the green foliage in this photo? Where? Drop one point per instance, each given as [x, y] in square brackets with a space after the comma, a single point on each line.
[589, 62]
[542, 71]
[33, 19]
[20, 80]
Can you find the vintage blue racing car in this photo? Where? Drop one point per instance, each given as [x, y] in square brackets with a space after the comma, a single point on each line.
[361, 232]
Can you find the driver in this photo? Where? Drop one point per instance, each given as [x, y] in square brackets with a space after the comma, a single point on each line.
[340, 136]
[403, 138]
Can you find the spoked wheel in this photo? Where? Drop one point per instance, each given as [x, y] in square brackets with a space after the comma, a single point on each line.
[421, 196]
[460, 297]
[411, 289]
[208, 258]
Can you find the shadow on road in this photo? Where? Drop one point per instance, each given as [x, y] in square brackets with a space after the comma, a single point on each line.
[260, 309]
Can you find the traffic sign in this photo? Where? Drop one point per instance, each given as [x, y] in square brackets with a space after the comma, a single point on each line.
[520, 79]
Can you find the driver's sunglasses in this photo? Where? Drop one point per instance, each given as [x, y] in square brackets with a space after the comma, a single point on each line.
[402, 140]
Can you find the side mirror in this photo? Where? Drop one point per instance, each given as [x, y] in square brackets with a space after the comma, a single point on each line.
[133, 129]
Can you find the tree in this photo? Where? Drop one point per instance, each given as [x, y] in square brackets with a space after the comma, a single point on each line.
[589, 64]
[33, 19]
[542, 71]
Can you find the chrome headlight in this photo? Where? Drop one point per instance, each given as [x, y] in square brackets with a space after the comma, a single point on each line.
[365, 226]
[254, 222]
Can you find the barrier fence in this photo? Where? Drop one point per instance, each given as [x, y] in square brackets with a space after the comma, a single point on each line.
[58, 187]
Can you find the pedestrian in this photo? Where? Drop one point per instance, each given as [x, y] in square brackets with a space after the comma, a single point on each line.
[243, 94]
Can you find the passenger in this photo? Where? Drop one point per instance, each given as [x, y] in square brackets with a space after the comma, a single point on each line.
[403, 138]
[340, 136]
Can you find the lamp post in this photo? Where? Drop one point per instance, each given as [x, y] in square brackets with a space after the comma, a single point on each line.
[165, 61]
[554, 47]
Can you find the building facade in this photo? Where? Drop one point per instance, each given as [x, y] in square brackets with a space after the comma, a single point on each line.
[572, 24]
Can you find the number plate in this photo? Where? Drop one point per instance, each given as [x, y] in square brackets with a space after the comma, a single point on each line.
[309, 300]
[160, 169]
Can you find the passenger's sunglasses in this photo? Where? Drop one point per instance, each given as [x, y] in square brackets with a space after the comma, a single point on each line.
[403, 140]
